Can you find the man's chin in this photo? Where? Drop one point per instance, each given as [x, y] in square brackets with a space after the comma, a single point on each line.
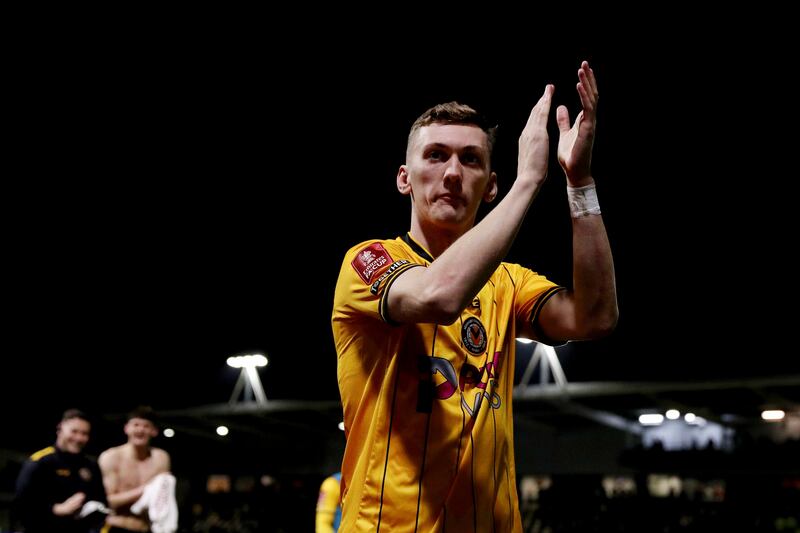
[447, 213]
[450, 221]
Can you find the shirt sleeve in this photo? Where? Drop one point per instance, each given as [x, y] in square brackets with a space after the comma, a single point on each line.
[97, 490]
[533, 290]
[366, 276]
[32, 503]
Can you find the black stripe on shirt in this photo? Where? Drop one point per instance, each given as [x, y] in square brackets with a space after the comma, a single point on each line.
[472, 476]
[422, 469]
[494, 458]
[509, 276]
[419, 250]
[427, 431]
[388, 443]
[537, 308]
[384, 299]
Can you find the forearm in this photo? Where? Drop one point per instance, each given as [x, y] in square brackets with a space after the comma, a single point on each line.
[594, 288]
[125, 498]
[457, 275]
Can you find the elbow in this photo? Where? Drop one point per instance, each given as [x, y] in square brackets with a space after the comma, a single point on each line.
[603, 324]
[445, 318]
[441, 307]
[444, 313]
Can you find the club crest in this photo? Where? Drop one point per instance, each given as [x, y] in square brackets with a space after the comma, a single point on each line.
[473, 334]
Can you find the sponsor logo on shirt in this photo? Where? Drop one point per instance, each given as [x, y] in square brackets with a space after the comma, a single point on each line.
[85, 474]
[438, 381]
[370, 261]
[394, 266]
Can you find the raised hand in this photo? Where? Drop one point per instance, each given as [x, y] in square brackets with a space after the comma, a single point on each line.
[575, 142]
[534, 148]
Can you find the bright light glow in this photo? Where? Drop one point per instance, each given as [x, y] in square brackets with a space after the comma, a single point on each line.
[169, 432]
[341, 425]
[251, 361]
[673, 414]
[696, 421]
[651, 419]
[222, 431]
[689, 417]
[772, 415]
[524, 340]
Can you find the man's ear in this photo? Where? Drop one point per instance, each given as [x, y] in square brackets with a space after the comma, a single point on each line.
[403, 181]
[491, 188]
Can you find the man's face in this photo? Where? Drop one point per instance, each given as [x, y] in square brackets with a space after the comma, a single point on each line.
[448, 173]
[72, 435]
[140, 431]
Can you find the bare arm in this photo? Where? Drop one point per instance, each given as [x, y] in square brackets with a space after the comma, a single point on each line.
[440, 292]
[589, 310]
[165, 462]
[108, 467]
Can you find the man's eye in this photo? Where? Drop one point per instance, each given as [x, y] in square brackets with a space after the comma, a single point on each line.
[436, 155]
[471, 159]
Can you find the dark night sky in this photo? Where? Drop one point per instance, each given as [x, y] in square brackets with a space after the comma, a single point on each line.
[159, 191]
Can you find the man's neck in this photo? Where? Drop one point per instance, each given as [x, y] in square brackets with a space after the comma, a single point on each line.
[435, 241]
[139, 452]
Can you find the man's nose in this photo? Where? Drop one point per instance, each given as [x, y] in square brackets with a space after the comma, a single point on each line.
[453, 170]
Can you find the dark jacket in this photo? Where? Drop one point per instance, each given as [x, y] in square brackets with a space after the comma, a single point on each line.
[51, 476]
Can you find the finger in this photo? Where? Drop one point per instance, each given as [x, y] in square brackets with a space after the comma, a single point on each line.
[562, 117]
[587, 102]
[583, 76]
[591, 81]
[541, 110]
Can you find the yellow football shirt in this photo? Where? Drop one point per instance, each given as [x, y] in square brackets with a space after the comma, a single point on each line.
[329, 512]
[427, 408]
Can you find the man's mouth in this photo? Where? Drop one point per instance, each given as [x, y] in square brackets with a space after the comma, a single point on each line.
[450, 199]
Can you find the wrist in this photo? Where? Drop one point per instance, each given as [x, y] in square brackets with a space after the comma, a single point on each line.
[583, 200]
[580, 182]
[527, 185]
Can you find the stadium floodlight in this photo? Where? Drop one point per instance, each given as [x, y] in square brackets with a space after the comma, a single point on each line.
[249, 382]
[651, 419]
[241, 361]
[772, 415]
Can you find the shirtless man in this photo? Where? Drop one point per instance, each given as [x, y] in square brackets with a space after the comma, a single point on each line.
[128, 468]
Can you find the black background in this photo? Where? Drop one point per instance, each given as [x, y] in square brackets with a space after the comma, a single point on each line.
[172, 204]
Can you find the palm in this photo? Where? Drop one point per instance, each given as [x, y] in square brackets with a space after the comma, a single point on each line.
[575, 147]
[575, 140]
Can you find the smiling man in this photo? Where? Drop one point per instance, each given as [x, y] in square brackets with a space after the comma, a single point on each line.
[127, 469]
[424, 324]
[57, 483]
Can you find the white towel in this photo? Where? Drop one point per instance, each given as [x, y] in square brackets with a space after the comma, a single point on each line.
[93, 506]
[159, 500]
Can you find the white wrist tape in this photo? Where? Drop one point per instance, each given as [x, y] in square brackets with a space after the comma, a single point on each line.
[583, 201]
